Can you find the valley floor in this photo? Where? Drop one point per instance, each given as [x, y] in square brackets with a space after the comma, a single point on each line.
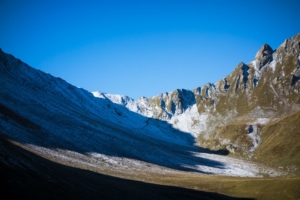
[27, 175]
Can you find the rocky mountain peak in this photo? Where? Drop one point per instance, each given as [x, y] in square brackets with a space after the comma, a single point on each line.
[264, 55]
[261, 90]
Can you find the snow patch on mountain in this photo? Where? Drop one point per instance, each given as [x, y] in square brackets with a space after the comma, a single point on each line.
[254, 131]
[190, 121]
[274, 61]
[123, 100]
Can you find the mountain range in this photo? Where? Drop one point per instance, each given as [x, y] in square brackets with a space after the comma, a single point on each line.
[245, 125]
[231, 113]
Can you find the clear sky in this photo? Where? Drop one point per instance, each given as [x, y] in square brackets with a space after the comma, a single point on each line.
[143, 48]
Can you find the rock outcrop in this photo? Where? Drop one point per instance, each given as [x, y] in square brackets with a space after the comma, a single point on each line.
[264, 56]
[264, 90]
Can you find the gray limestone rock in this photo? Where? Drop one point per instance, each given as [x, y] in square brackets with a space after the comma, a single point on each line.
[264, 55]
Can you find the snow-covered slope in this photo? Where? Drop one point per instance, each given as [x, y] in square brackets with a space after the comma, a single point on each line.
[256, 93]
[66, 124]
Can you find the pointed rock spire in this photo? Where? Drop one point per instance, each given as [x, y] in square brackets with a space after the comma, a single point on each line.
[264, 55]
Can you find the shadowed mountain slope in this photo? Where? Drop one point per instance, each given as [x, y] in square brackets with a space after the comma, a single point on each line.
[43, 111]
[52, 118]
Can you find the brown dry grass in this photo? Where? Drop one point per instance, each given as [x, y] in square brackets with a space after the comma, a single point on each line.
[281, 143]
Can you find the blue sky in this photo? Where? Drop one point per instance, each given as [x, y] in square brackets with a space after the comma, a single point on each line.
[143, 48]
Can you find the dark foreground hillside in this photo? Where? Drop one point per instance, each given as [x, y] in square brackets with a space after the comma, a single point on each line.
[25, 175]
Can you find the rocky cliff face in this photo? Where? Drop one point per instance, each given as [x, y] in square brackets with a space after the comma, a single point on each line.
[231, 112]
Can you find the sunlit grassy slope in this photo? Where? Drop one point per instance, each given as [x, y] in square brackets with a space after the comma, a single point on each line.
[281, 143]
[279, 146]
